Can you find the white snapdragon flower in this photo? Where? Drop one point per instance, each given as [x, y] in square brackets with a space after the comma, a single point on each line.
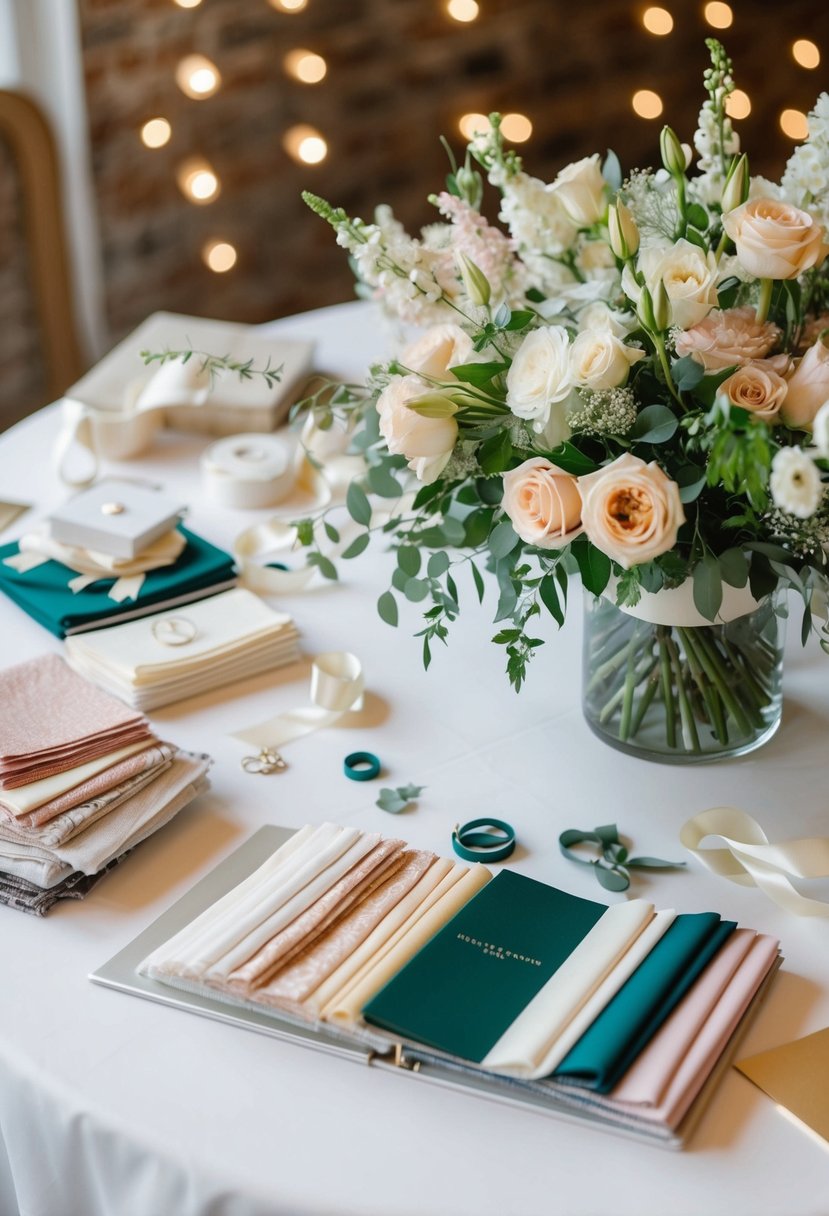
[795, 483]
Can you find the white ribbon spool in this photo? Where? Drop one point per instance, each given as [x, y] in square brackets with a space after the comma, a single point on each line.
[336, 689]
[248, 471]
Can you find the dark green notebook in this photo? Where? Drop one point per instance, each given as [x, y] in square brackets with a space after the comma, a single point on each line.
[44, 593]
[631, 1019]
[472, 980]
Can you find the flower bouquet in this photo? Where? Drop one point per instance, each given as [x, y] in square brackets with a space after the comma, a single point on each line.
[628, 381]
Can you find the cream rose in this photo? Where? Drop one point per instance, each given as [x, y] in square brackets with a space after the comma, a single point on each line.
[690, 277]
[427, 443]
[580, 188]
[631, 510]
[539, 376]
[600, 360]
[723, 338]
[774, 239]
[440, 348]
[543, 503]
[808, 388]
[760, 390]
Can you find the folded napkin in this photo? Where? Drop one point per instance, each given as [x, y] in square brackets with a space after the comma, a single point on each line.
[228, 637]
[46, 595]
[53, 720]
[28, 897]
[628, 1023]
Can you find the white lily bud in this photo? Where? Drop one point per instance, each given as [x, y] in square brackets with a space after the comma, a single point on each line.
[622, 230]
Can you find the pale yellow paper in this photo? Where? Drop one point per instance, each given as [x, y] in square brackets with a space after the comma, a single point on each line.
[347, 1009]
[794, 1076]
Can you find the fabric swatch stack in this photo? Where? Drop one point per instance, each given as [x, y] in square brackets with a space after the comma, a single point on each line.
[42, 577]
[620, 1015]
[83, 780]
[153, 662]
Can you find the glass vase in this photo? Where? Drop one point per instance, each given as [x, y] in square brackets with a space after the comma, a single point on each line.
[683, 693]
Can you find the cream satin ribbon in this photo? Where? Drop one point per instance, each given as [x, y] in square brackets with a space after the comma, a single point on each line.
[750, 860]
[336, 688]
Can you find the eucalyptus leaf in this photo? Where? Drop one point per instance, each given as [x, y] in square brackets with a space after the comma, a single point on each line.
[698, 216]
[357, 546]
[387, 608]
[416, 589]
[708, 587]
[502, 539]
[477, 578]
[381, 481]
[495, 454]
[324, 564]
[331, 532]
[408, 559]
[687, 373]
[654, 424]
[359, 508]
[438, 564]
[734, 567]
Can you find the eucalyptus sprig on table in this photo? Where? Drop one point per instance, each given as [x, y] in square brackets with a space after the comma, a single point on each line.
[214, 364]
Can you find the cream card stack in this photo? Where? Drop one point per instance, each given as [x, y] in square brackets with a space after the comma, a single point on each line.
[162, 659]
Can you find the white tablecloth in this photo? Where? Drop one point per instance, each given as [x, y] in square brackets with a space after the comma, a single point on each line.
[114, 1106]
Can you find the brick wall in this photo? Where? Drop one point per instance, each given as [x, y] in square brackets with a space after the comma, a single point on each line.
[399, 73]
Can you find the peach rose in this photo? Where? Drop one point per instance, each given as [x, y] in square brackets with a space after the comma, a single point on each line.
[808, 388]
[726, 337]
[440, 348]
[631, 510]
[543, 503]
[760, 390]
[775, 240]
[688, 273]
[427, 443]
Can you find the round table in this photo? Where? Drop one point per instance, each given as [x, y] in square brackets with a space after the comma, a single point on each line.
[114, 1104]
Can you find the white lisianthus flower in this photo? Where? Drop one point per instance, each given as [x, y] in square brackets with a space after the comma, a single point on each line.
[427, 443]
[689, 274]
[599, 315]
[599, 360]
[539, 378]
[581, 189]
[795, 483]
[820, 430]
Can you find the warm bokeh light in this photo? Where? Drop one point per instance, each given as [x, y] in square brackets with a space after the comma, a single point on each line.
[305, 144]
[794, 123]
[657, 21]
[288, 6]
[305, 66]
[197, 77]
[646, 103]
[219, 256]
[188, 3]
[156, 132]
[805, 53]
[738, 104]
[517, 128]
[197, 181]
[719, 15]
[463, 10]
[470, 124]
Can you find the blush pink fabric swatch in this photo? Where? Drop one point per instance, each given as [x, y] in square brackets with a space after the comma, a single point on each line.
[359, 883]
[677, 1062]
[151, 756]
[295, 982]
[54, 720]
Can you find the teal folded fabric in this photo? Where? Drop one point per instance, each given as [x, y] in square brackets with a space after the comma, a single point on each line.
[45, 595]
[628, 1023]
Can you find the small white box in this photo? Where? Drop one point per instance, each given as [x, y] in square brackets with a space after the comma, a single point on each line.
[115, 517]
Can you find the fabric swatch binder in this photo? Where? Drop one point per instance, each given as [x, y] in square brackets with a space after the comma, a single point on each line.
[379, 1048]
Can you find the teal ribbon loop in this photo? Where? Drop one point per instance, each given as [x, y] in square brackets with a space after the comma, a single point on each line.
[493, 845]
[612, 867]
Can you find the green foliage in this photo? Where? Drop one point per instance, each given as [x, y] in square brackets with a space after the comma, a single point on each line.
[396, 800]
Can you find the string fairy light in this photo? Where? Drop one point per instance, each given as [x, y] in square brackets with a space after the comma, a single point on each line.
[197, 77]
[646, 103]
[198, 181]
[305, 144]
[219, 256]
[305, 66]
[156, 132]
[657, 21]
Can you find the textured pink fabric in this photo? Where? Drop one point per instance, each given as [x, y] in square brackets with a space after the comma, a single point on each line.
[295, 982]
[360, 881]
[712, 1035]
[51, 720]
[150, 757]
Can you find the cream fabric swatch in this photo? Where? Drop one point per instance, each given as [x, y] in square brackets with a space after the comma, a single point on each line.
[355, 886]
[290, 986]
[357, 960]
[346, 1010]
[334, 869]
[524, 1048]
[171, 953]
[21, 802]
[216, 936]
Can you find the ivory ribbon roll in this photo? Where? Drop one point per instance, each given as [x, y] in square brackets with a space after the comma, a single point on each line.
[347, 1010]
[248, 471]
[336, 688]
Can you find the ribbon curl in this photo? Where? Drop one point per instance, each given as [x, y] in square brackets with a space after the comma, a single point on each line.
[612, 868]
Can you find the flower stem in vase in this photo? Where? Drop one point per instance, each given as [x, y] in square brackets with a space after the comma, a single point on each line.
[662, 633]
[711, 662]
[689, 730]
[710, 696]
